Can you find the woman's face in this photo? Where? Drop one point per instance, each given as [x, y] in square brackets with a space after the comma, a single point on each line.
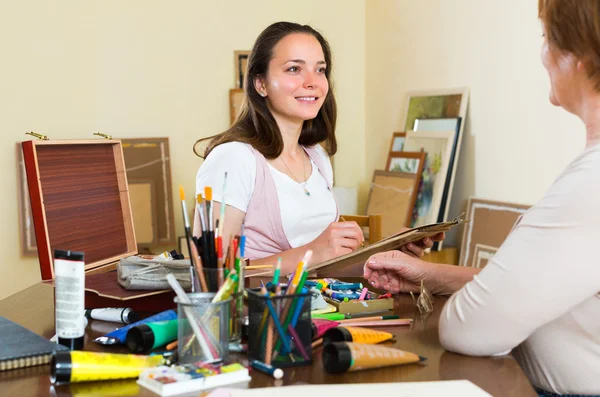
[564, 77]
[295, 85]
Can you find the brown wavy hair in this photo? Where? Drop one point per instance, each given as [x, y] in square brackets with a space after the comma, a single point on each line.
[573, 26]
[256, 125]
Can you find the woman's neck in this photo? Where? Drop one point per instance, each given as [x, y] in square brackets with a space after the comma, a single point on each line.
[290, 133]
[591, 118]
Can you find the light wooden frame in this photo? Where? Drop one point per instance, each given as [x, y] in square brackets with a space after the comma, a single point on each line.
[236, 101]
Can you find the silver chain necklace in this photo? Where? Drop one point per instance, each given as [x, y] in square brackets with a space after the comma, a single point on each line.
[303, 184]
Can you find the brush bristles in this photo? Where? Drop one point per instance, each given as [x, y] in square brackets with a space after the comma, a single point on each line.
[181, 193]
[208, 193]
[199, 198]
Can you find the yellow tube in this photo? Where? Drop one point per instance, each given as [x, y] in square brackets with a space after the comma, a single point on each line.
[79, 366]
[355, 334]
[115, 388]
[339, 357]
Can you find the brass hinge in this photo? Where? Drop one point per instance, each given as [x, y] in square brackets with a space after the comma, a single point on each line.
[105, 136]
[38, 136]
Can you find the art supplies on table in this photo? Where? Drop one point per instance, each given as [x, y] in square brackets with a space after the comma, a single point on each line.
[279, 321]
[142, 338]
[122, 315]
[78, 366]
[119, 335]
[351, 298]
[171, 381]
[20, 347]
[340, 357]
[355, 334]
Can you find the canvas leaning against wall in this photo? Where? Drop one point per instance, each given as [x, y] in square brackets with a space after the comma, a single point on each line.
[438, 148]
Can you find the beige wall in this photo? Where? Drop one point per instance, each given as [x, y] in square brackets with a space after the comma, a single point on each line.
[150, 68]
[516, 142]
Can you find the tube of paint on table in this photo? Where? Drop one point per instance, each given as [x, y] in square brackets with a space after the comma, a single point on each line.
[339, 357]
[320, 326]
[118, 336]
[355, 334]
[79, 366]
[142, 338]
[113, 314]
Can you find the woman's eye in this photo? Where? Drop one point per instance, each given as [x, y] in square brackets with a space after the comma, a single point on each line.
[321, 70]
[293, 69]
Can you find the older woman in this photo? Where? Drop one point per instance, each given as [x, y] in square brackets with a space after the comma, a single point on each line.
[539, 295]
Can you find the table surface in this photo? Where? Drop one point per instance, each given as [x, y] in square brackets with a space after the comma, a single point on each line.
[33, 308]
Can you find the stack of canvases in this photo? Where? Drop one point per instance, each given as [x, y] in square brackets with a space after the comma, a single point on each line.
[415, 188]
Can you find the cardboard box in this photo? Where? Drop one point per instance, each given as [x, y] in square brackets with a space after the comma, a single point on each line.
[362, 307]
[80, 202]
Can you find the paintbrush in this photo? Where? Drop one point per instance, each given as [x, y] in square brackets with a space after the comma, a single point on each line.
[186, 224]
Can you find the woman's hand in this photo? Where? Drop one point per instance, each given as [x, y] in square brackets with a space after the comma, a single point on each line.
[338, 239]
[396, 271]
[417, 249]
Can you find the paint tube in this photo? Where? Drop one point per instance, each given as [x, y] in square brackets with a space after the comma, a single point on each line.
[320, 326]
[78, 366]
[118, 336]
[355, 334]
[339, 357]
[142, 338]
[113, 314]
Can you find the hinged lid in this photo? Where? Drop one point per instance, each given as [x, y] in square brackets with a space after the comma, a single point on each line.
[79, 200]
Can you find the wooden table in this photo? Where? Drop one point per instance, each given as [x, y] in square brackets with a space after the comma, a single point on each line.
[33, 309]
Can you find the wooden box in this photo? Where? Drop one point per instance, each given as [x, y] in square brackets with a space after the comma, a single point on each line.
[80, 202]
[363, 307]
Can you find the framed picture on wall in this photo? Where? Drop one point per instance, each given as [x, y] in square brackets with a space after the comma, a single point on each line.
[240, 64]
[435, 104]
[438, 146]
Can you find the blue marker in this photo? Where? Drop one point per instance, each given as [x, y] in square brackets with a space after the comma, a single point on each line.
[345, 286]
[118, 336]
[341, 296]
[270, 370]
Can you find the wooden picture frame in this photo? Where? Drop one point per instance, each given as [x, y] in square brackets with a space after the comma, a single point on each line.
[440, 103]
[392, 195]
[236, 100]
[490, 222]
[397, 144]
[438, 146]
[240, 58]
[405, 164]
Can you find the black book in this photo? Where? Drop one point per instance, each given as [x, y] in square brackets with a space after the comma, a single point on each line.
[20, 347]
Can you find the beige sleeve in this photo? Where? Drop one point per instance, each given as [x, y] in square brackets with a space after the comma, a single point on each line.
[543, 269]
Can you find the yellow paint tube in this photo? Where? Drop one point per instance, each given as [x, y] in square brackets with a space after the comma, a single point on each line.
[79, 366]
[355, 334]
[339, 357]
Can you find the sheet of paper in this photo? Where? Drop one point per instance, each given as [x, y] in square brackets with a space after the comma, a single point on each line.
[462, 388]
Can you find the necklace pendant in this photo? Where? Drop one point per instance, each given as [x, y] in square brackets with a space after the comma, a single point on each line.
[306, 191]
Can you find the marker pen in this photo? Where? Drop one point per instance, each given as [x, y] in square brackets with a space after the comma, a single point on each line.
[145, 337]
[270, 370]
[113, 314]
[345, 286]
[118, 336]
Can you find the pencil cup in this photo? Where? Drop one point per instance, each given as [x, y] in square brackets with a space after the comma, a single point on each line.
[203, 329]
[279, 331]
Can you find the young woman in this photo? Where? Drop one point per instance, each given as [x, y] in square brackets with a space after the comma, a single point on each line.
[276, 154]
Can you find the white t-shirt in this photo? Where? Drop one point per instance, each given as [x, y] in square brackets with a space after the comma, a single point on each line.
[303, 217]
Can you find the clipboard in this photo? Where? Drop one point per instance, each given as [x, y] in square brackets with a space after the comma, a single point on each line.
[351, 265]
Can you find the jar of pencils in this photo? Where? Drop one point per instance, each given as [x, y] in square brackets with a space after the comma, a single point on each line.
[203, 328]
[279, 331]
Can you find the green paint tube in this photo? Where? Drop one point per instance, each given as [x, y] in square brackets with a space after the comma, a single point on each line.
[143, 338]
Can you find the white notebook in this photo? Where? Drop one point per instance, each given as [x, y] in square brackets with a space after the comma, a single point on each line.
[462, 388]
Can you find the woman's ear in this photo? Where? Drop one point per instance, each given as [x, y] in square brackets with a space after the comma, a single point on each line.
[260, 86]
